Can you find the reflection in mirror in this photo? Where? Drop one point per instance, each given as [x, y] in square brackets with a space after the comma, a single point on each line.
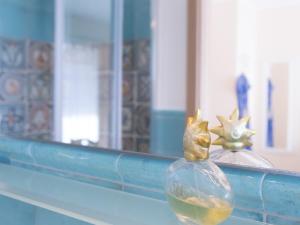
[257, 39]
[115, 80]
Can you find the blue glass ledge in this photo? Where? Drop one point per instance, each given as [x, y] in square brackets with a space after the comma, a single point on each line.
[88, 203]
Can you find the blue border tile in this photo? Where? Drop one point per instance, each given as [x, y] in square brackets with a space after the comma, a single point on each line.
[147, 172]
[167, 128]
[77, 160]
[275, 220]
[16, 149]
[13, 212]
[257, 216]
[246, 186]
[282, 194]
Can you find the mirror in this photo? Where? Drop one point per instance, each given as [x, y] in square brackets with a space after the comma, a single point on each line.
[107, 74]
[123, 74]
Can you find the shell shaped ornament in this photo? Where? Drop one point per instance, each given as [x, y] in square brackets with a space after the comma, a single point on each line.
[196, 189]
[235, 138]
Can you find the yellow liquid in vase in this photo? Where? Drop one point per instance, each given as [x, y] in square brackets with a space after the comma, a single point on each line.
[193, 210]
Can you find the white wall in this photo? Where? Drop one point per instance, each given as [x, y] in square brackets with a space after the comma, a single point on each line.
[169, 59]
[219, 58]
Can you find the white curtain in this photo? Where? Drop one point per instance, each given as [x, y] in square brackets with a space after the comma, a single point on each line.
[80, 108]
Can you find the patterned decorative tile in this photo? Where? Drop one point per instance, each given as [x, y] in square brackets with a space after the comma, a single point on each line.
[40, 137]
[40, 86]
[106, 57]
[142, 55]
[128, 144]
[128, 55]
[12, 54]
[127, 119]
[128, 87]
[143, 145]
[40, 56]
[142, 120]
[12, 119]
[40, 117]
[12, 87]
[144, 87]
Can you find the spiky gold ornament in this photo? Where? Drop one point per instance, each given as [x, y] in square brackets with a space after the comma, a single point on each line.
[196, 139]
[233, 132]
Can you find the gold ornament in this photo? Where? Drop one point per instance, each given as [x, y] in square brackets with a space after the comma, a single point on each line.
[233, 132]
[196, 140]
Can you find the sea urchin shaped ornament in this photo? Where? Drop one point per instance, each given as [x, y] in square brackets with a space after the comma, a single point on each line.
[234, 137]
[197, 190]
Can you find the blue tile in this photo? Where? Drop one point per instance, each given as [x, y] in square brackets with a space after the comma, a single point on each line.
[144, 192]
[142, 54]
[257, 216]
[4, 159]
[40, 86]
[282, 194]
[40, 56]
[142, 120]
[13, 87]
[246, 187]
[45, 217]
[12, 120]
[69, 175]
[12, 54]
[144, 87]
[128, 57]
[275, 220]
[167, 128]
[13, 212]
[144, 171]
[16, 149]
[77, 160]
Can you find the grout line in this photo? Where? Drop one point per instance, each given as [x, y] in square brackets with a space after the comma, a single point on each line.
[118, 170]
[262, 196]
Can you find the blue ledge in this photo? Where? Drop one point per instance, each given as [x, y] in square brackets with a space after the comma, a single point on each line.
[260, 195]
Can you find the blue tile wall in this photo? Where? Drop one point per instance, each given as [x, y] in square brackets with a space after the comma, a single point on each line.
[141, 171]
[167, 128]
[282, 194]
[137, 19]
[246, 186]
[276, 220]
[19, 150]
[27, 19]
[144, 191]
[46, 217]
[14, 212]
[261, 195]
[257, 216]
[79, 161]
